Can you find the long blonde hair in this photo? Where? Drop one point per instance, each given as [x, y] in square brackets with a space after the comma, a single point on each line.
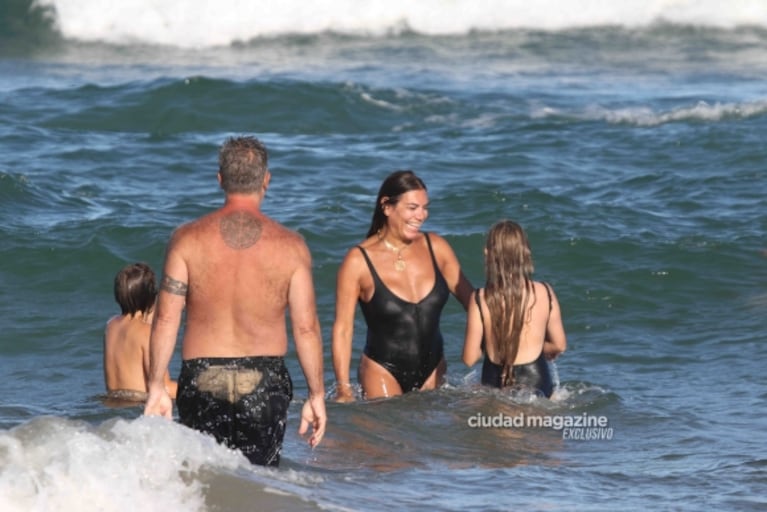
[508, 289]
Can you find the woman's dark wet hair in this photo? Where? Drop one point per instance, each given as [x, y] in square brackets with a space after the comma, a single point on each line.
[135, 289]
[392, 188]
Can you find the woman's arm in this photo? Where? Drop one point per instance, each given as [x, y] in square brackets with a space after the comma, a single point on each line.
[450, 267]
[472, 342]
[556, 340]
[347, 294]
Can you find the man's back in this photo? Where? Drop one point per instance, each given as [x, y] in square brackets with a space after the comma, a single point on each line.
[240, 265]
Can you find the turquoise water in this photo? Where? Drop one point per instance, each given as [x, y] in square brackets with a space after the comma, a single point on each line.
[634, 156]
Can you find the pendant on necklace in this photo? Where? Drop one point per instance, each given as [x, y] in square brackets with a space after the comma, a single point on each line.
[399, 263]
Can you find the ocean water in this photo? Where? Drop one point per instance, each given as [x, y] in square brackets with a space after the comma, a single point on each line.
[628, 138]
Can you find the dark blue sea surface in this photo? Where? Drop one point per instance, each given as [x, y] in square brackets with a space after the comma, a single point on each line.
[634, 155]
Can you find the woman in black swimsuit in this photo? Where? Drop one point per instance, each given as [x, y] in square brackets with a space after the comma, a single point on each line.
[516, 321]
[401, 277]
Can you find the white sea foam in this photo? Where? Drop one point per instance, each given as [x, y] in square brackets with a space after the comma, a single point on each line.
[200, 23]
[646, 116]
[58, 464]
[701, 111]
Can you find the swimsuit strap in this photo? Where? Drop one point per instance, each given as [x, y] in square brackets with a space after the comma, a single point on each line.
[481, 317]
[370, 265]
[548, 292]
[431, 251]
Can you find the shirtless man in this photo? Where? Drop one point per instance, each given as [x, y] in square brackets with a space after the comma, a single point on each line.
[126, 337]
[238, 272]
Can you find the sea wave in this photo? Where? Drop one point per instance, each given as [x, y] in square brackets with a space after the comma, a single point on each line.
[53, 463]
[198, 23]
[701, 111]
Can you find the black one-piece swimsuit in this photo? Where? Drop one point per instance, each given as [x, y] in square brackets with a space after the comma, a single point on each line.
[404, 337]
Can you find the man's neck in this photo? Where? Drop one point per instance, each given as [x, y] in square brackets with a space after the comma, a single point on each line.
[244, 201]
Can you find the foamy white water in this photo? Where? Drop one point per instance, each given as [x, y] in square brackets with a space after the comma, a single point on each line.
[55, 464]
[200, 23]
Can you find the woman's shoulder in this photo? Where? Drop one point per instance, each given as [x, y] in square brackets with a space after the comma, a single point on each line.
[355, 255]
[438, 242]
[544, 289]
[359, 251]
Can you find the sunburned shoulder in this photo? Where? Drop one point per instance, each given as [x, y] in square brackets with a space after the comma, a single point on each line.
[283, 236]
[282, 230]
[184, 231]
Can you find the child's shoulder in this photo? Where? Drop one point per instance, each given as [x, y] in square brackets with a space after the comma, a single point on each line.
[113, 321]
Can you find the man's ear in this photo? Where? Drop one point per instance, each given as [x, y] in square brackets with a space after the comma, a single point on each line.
[267, 179]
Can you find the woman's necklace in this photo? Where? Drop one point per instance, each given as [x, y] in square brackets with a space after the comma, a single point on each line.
[399, 264]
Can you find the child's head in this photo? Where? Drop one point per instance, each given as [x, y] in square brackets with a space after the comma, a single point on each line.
[507, 251]
[136, 289]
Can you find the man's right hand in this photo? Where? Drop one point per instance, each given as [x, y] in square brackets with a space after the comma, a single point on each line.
[313, 416]
[159, 403]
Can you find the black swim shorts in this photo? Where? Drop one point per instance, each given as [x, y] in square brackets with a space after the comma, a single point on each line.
[241, 401]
